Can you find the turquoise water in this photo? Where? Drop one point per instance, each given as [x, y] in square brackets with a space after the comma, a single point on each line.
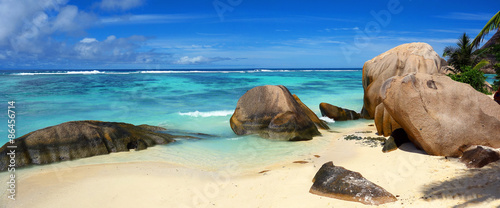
[490, 78]
[181, 101]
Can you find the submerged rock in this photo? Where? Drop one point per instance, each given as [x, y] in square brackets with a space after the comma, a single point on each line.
[433, 112]
[340, 183]
[479, 156]
[403, 59]
[314, 118]
[80, 139]
[272, 112]
[337, 113]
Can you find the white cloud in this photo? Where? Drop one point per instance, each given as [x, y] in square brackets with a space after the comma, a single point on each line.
[186, 60]
[340, 29]
[112, 49]
[88, 40]
[467, 16]
[20, 16]
[29, 27]
[150, 19]
[120, 4]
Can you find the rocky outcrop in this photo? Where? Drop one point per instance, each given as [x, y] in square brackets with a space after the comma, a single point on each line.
[496, 96]
[272, 112]
[479, 156]
[314, 118]
[80, 139]
[398, 137]
[441, 116]
[384, 122]
[403, 59]
[337, 113]
[340, 183]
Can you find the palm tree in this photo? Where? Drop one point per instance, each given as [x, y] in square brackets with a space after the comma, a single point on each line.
[493, 24]
[460, 55]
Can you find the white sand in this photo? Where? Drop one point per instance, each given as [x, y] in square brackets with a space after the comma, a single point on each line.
[406, 173]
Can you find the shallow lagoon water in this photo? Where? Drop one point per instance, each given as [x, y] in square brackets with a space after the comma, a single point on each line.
[187, 101]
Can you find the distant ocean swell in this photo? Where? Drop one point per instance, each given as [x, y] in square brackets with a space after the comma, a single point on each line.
[93, 72]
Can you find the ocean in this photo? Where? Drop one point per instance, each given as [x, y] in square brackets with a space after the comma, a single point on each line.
[184, 102]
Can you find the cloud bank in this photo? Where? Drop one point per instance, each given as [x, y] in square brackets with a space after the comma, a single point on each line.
[45, 33]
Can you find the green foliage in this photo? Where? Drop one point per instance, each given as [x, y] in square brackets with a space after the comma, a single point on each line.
[460, 55]
[473, 77]
[481, 64]
[496, 83]
[491, 25]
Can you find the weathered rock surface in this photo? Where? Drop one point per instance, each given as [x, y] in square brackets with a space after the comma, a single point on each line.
[398, 137]
[80, 139]
[384, 122]
[442, 116]
[340, 183]
[272, 112]
[314, 118]
[496, 96]
[479, 156]
[337, 113]
[403, 59]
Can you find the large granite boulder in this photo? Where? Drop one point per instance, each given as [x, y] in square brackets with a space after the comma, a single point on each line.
[337, 113]
[403, 59]
[314, 118]
[442, 116]
[272, 112]
[80, 139]
[340, 183]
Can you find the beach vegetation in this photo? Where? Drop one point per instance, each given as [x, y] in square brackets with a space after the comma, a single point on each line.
[496, 83]
[491, 25]
[471, 76]
[461, 55]
[466, 63]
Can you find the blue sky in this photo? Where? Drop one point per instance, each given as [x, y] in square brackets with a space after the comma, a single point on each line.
[156, 34]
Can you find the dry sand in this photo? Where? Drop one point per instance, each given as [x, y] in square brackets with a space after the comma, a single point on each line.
[417, 179]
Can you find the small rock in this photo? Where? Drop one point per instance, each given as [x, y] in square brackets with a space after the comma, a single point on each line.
[337, 113]
[479, 156]
[264, 171]
[340, 183]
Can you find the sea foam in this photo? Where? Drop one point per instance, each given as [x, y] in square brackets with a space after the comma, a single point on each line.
[208, 114]
[328, 120]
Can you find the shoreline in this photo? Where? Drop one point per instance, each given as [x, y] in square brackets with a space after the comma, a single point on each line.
[407, 172]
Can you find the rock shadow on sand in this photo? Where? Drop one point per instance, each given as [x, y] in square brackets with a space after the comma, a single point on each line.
[475, 186]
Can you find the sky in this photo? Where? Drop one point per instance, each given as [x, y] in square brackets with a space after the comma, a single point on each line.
[223, 34]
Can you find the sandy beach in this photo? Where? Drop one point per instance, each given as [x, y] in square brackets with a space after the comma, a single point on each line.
[417, 179]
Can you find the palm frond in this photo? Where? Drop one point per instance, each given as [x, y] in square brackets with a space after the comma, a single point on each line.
[481, 64]
[491, 25]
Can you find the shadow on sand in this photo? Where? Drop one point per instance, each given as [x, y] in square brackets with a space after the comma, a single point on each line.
[475, 186]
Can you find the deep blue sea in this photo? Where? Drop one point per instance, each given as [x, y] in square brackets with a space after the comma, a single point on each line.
[196, 101]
